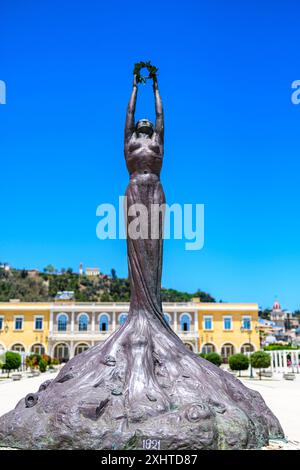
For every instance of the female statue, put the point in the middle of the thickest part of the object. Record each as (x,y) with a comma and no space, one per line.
(144,146)
(141,386)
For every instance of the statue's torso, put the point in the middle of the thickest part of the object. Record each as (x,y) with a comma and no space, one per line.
(144,154)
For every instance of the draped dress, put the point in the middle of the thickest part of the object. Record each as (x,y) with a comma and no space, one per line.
(144,162)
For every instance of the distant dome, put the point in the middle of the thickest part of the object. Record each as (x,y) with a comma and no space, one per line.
(276,305)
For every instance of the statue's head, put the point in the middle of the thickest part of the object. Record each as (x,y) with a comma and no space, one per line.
(144,126)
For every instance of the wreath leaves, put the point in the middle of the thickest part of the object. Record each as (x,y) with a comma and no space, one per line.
(138,66)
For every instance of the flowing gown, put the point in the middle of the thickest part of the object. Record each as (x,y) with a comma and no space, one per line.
(144,162)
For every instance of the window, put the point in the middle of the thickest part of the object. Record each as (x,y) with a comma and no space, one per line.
(19,323)
(122,318)
(38,323)
(247,348)
(83,323)
(185,323)
(61,352)
(208,348)
(227,350)
(103,323)
(18,348)
(38,349)
(1,323)
(227,323)
(80,348)
(62,323)
(208,323)
(246,323)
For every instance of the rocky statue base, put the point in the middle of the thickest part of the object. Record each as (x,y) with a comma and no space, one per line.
(140,389)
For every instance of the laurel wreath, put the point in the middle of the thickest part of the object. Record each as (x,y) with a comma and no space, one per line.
(144,65)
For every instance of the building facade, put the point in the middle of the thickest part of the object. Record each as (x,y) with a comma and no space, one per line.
(24,327)
(228,328)
(64,329)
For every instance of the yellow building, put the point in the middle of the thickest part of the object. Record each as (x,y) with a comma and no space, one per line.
(66,328)
(228,328)
(24,327)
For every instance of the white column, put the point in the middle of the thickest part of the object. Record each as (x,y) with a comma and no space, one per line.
(71,349)
(93,321)
(196,330)
(279,360)
(285,368)
(113,321)
(294,361)
(51,323)
(276,360)
(72,322)
(271,363)
(175,322)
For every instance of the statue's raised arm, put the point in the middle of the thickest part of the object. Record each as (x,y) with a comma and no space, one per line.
(130,123)
(159,124)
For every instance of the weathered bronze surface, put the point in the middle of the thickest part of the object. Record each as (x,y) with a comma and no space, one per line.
(142,385)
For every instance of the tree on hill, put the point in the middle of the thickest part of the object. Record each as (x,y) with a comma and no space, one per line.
(49,269)
(15,284)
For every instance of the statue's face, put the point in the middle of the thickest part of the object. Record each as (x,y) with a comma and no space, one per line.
(144,126)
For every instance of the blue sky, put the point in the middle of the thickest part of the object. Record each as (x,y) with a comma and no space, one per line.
(231,143)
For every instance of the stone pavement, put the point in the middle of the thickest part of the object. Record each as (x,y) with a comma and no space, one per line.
(11,392)
(283,398)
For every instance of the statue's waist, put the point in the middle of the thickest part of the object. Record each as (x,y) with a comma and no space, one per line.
(144,176)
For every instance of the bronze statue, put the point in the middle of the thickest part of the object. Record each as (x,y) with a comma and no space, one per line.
(142,388)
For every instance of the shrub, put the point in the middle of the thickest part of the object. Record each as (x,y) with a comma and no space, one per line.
(42,365)
(32,360)
(260,360)
(47,359)
(12,361)
(239,362)
(278,346)
(215,358)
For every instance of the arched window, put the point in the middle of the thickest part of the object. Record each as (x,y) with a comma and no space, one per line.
(61,352)
(80,348)
(246,348)
(227,350)
(208,348)
(18,347)
(185,323)
(103,322)
(189,346)
(167,317)
(62,322)
(122,318)
(83,322)
(38,348)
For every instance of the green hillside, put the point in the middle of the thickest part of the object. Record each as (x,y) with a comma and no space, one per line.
(31,286)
